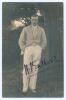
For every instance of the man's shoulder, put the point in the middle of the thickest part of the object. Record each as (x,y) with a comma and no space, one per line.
(29,27)
(26,27)
(40,28)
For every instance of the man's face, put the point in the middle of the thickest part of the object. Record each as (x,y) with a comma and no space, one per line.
(34,20)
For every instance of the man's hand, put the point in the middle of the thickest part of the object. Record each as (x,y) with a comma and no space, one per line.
(22,53)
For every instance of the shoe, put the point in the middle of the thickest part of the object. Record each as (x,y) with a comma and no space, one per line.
(24,91)
(34,91)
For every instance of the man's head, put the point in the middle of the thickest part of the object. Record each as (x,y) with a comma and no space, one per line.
(34,20)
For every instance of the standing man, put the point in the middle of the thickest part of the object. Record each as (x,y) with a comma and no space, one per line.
(32,40)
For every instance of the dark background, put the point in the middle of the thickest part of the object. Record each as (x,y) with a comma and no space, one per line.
(50,78)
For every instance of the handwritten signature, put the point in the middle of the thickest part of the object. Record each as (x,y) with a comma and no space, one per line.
(43,62)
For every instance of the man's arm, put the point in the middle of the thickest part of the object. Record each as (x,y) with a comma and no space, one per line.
(21,41)
(44,39)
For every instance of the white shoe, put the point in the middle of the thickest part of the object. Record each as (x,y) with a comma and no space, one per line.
(24,91)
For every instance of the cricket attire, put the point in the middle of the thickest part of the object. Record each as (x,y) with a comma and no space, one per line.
(32,40)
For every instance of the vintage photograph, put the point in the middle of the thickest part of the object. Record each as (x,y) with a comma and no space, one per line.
(32,49)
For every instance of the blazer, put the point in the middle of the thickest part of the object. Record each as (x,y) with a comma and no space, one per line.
(29,36)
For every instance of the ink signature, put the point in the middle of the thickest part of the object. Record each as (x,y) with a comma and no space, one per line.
(43,62)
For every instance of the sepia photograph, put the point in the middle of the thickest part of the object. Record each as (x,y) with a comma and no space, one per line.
(32,50)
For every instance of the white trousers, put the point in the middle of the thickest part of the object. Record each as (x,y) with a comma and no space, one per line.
(32,57)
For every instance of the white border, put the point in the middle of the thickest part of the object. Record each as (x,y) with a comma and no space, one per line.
(32,0)
(1,49)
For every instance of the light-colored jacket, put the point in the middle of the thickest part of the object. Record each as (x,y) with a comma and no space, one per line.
(28,36)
